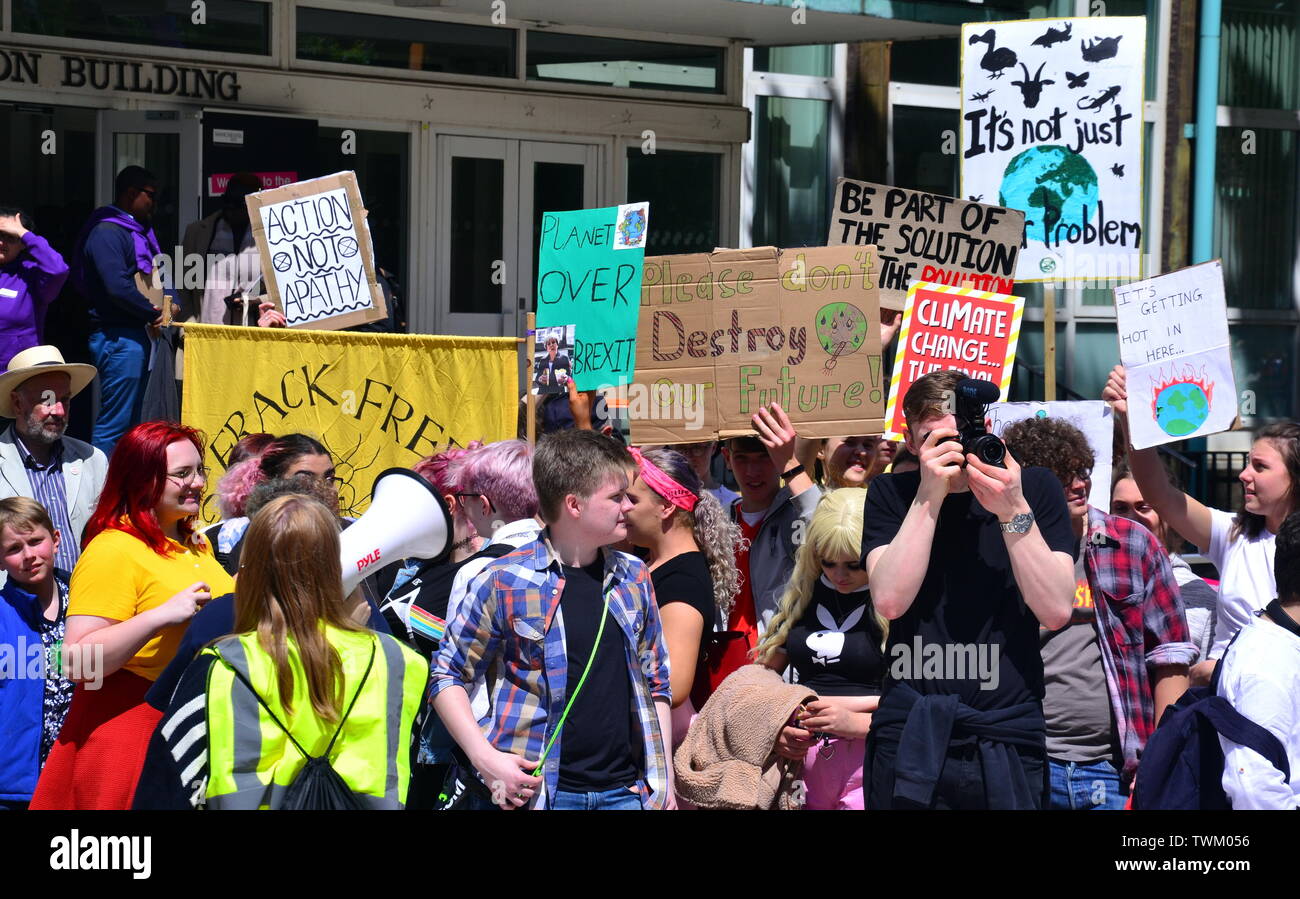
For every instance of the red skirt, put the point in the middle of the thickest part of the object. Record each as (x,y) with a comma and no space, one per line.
(97,759)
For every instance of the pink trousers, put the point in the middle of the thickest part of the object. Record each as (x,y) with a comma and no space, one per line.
(832,775)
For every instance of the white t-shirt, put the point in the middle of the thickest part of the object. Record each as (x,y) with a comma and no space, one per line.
(1246,582)
(1261,678)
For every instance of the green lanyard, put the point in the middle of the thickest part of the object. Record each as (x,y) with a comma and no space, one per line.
(574,695)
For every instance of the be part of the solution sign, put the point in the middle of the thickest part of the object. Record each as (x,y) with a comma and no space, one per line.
(1173,341)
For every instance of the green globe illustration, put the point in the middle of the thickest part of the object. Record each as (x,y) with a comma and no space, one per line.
(1181,409)
(1053,186)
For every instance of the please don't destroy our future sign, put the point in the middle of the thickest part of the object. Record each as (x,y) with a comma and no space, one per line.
(316,253)
(972,331)
(723,333)
(589,276)
(1173,341)
(928,237)
(1052,125)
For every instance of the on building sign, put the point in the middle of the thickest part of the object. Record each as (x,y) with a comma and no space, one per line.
(23,66)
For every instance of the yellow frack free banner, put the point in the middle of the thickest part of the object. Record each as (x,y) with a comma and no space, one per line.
(375,400)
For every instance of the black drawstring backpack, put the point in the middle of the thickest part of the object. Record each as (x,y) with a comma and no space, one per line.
(318,787)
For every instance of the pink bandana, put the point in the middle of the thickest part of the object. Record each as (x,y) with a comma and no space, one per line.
(663,484)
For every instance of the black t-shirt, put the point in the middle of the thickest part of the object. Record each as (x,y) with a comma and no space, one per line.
(596,741)
(686,578)
(968,617)
(835,646)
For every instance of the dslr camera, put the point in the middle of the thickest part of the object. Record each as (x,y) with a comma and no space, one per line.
(972,400)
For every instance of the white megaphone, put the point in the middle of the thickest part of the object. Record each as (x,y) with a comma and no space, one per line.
(406,519)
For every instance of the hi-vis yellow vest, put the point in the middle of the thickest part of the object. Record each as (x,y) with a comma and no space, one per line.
(250,760)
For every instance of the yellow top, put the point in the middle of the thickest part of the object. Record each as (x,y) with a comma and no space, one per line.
(118,576)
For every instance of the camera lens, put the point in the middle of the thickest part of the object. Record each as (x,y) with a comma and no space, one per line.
(990,450)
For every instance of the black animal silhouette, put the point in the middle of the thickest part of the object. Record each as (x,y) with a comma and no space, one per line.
(1117,170)
(1077,80)
(976,198)
(997,58)
(1101,99)
(1032,88)
(1100,48)
(1054,36)
(981,97)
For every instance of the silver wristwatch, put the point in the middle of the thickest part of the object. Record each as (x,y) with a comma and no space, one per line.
(1019,524)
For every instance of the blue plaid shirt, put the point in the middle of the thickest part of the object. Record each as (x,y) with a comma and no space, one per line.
(513,618)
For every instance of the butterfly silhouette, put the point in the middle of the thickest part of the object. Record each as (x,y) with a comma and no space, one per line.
(1118,170)
(1077,80)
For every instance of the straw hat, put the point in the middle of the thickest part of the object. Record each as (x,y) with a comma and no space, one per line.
(35,361)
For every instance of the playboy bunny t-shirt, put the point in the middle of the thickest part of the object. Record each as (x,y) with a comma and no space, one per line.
(835,645)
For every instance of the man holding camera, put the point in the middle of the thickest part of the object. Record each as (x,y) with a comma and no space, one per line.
(967,557)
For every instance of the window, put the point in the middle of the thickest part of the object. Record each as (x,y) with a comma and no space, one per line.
(419,45)
(792,185)
(614,62)
(1255,227)
(685,194)
(228,26)
(817,60)
(1259,59)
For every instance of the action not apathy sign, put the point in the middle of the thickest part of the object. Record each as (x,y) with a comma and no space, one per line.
(1173,341)
(316,253)
(1052,125)
(928,237)
(972,331)
(725,333)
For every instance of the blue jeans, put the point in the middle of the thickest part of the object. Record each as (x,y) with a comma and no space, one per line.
(122,356)
(1078,787)
(619,800)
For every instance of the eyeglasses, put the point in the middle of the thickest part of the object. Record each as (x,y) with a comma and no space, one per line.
(188,476)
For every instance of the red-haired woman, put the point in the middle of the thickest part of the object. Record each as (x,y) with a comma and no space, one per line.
(140,579)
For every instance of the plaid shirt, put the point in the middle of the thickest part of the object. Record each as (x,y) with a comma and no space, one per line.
(512,617)
(1140,619)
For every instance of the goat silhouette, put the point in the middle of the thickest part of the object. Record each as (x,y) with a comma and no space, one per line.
(1032,88)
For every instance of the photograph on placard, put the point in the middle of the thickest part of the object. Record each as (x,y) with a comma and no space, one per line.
(552,368)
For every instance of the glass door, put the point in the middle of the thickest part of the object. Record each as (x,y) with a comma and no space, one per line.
(492,193)
(167,143)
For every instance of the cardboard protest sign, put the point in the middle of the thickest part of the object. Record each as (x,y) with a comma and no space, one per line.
(1173,340)
(316,255)
(1093,417)
(928,237)
(722,334)
(375,400)
(972,331)
(589,276)
(1052,125)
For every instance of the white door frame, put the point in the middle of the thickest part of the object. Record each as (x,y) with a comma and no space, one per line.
(186,123)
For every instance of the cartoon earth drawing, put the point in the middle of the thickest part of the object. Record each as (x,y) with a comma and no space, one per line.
(1181,408)
(1053,186)
(841,330)
(632,227)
